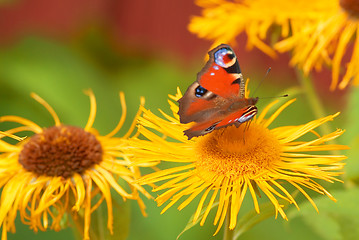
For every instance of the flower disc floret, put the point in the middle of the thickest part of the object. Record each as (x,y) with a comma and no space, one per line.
(61,151)
(238,151)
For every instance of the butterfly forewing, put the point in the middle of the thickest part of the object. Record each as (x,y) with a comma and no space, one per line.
(222,74)
(217,98)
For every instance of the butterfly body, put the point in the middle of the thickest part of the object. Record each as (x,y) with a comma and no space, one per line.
(217,98)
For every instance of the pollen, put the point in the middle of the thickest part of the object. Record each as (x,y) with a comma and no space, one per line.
(350,6)
(61,151)
(238,151)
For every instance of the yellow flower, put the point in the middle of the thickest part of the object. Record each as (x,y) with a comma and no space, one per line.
(316,31)
(229,162)
(222,21)
(60,169)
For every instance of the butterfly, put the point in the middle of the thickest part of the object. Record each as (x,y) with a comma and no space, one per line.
(217,98)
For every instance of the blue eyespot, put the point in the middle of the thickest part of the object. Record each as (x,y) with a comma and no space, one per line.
(219,55)
(200,91)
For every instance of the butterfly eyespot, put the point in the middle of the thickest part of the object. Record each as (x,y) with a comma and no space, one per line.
(224,57)
(200,91)
(217,98)
(231,56)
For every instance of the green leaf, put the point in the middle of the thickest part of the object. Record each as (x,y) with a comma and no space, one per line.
(121,222)
(98,225)
(338,220)
(191,224)
(246,222)
(252,218)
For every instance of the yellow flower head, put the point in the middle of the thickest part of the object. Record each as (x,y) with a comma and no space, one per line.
(61,169)
(316,31)
(227,163)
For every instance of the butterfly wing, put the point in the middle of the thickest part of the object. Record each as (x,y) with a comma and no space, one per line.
(221,120)
(220,79)
(216,99)
(222,75)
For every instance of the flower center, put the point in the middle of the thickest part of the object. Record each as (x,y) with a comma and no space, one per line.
(350,6)
(61,151)
(234,152)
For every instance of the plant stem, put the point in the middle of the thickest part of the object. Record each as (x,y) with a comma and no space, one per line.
(314,101)
(316,105)
(228,233)
(78,229)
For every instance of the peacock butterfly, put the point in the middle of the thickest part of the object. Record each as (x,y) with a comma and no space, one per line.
(217,98)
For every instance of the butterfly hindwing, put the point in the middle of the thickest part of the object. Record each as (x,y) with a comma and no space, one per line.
(216,99)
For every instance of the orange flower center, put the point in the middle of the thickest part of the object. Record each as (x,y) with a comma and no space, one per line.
(238,151)
(61,151)
(350,6)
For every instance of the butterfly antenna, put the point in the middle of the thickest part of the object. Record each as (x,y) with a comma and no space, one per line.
(285,95)
(260,83)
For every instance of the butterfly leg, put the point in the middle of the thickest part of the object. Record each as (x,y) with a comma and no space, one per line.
(246,127)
